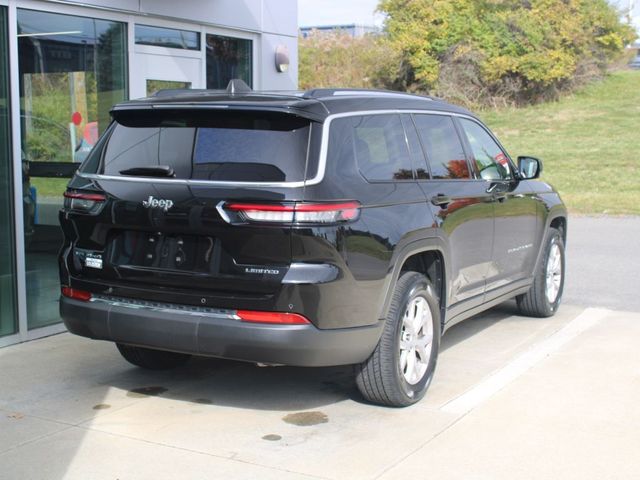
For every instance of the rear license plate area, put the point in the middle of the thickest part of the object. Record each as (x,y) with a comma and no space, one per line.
(182,253)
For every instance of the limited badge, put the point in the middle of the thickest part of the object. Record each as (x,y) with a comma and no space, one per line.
(93,261)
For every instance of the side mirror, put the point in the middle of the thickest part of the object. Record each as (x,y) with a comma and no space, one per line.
(529,167)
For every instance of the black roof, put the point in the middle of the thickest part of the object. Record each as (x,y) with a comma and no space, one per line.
(315,104)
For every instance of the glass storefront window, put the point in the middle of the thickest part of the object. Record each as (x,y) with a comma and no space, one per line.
(167,37)
(72,70)
(7,272)
(228,58)
(154,86)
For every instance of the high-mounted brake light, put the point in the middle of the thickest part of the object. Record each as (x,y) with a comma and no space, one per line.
(76,294)
(298,212)
(84,202)
(279,318)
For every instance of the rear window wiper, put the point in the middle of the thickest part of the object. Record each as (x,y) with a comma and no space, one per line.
(152,171)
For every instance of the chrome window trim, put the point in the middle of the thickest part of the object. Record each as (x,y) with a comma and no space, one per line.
(322,162)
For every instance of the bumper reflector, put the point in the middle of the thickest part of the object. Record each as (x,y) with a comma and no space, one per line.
(278,318)
(76,294)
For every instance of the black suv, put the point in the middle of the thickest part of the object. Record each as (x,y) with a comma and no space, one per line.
(326,227)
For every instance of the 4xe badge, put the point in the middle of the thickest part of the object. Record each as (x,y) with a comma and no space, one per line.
(157,203)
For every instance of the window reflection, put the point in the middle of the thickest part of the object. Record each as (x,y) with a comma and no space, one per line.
(7,275)
(458,169)
(380,148)
(228,58)
(71,71)
(443,147)
(490,160)
(167,37)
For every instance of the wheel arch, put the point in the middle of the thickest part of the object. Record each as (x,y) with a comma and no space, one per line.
(557,221)
(427,257)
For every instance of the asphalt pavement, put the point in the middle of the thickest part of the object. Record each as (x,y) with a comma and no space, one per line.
(603,262)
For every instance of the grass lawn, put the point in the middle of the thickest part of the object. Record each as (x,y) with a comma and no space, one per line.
(588,142)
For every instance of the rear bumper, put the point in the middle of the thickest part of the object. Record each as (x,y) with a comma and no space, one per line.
(216,333)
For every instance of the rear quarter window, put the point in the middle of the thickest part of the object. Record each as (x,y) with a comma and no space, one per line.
(378,144)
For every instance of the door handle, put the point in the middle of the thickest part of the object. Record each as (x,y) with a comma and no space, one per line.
(441,200)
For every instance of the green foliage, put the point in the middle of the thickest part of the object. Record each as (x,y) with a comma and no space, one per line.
(588,142)
(475,51)
(338,60)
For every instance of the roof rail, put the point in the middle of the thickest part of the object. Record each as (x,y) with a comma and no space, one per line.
(343,92)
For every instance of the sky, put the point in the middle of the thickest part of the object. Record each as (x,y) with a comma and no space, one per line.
(336,12)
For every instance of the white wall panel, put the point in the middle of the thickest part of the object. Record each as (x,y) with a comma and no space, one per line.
(271,79)
(280,16)
(131,5)
(244,14)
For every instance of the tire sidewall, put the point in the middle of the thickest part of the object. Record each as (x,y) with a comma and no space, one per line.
(419,287)
(554,238)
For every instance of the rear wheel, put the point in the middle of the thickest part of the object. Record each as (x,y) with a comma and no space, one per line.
(543,299)
(152,359)
(401,367)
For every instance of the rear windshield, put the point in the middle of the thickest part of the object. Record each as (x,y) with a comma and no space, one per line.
(206,145)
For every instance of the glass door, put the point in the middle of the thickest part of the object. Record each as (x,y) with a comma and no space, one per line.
(8,324)
(72,70)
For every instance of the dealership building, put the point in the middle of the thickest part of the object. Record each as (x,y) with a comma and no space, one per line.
(63,64)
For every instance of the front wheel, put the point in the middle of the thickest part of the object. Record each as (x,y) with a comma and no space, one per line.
(400,369)
(543,299)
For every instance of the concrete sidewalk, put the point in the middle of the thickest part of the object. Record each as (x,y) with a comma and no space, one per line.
(513,397)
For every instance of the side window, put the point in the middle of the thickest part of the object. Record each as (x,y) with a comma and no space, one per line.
(380,148)
(489,158)
(443,147)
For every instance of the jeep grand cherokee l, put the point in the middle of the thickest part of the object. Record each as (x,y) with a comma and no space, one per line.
(316,228)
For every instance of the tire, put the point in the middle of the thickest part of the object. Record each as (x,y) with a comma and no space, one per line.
(386,377)
(152,359)
(543,299)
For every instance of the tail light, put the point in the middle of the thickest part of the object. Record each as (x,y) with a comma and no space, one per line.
(84,202)
(277,318)
(76,294)
(298,213)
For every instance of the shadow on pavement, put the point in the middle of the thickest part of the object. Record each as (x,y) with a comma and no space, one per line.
(211,381)
(245,385)
(474,325)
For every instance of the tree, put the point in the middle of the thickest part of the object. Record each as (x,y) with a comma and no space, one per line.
(338,60)
(515,50)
